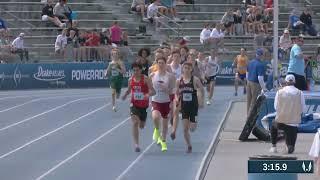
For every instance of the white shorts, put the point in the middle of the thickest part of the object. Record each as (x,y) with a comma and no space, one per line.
(45,18)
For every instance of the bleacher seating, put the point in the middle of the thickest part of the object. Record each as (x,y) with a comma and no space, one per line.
(24,15)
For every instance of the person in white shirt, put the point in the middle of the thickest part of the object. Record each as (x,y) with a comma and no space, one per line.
(217,37)
(205,35)
(18,47)
(61,43)
(285,43)
(211,72)
(139,6)
(153,12)
(289,104)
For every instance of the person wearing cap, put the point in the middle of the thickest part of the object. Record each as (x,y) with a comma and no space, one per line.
(285,43)
(18,47)
(297,65)
(255,79)
(289,104)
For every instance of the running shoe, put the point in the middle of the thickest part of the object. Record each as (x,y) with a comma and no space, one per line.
(189,149)
(208,102)
(114,109)
(156,134)
(173,136)
(163,146)
(159,141)
(137,149)
(273,150)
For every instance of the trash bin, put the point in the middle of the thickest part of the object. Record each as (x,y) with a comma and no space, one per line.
(266,162)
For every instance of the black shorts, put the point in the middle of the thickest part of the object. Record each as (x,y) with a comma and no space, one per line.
(190,113)
(301,82)
(211,78)
(140,112)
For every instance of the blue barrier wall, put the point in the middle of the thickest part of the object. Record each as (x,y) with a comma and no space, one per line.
(77,75)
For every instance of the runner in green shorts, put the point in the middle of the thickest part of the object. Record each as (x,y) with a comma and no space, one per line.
(115,71)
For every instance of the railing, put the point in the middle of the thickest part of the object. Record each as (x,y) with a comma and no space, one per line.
(177,29)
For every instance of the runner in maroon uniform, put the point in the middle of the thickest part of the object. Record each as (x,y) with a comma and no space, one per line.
(141,89)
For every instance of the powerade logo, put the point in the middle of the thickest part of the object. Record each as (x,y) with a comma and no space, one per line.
(49,74)
(88,75)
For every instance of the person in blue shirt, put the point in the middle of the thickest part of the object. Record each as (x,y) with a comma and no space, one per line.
(255,76)
(2,24)
(296,64)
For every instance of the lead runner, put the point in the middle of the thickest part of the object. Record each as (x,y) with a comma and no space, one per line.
(141,89)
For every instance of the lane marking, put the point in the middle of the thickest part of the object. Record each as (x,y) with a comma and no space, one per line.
(13,97)
(46,112)
(82,149)
(36,100)
(54,131)
(134,162)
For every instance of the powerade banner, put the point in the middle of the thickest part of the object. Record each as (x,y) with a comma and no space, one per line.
(79,75)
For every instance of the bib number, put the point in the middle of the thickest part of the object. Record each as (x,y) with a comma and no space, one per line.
(187,97)
(138,96)
(114,73)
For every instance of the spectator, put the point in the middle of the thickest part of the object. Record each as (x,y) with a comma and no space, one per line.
(2,24)
(82,43)
(285,43)
(296,64)
(205,36)
(5,46)
(73,40)
(62,11)
(255,79)
(184,51)
(47,15)
(125,38)
(307,21)
(19,48)
(250,20)
(105,43)
(294,23)
(139,6)
(289,104)
(241,64)
(61,44)
(93,43)
(238,23)
(153,12)
(74,27)
(184,41)
(115,33)
(143,59)
(267,20)
(317,56)
(171,6)
(217,37)
(228,22)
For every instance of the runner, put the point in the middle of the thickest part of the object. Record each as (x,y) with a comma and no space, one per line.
(241,63)
(163,83)
(186,94)
(141,89)
(211,72)
(115,71)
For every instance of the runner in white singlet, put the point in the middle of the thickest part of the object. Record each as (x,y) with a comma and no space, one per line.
(212,68)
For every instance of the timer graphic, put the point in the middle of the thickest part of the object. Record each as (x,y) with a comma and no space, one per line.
(281,166)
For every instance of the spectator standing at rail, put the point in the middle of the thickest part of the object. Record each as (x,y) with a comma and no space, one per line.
(73,40)
(297,65)
(19,48)
(289,104)
(48,15)
(255,77)
(61,44)
(140,7)
(62,11)
(115,33)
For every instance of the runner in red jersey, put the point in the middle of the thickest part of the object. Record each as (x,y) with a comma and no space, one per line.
(140,88)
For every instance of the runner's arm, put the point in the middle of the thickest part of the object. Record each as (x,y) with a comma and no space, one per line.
(108,70)
(124,97)
(177,91)
(123,68)
(200,88)
(172,83)
(152,92)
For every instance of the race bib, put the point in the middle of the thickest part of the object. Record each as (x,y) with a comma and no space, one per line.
(187,97)
(138,96)
(114,73)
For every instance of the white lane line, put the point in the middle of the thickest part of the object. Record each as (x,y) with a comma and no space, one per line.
(82,149)
(13,97)
(36,100)
(46,112)
(54,131)
(134,162)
